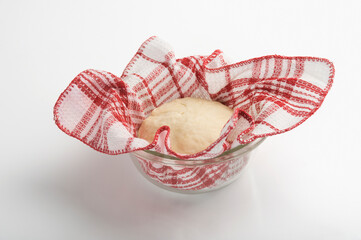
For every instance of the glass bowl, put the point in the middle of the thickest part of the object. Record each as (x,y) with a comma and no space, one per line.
(193,176)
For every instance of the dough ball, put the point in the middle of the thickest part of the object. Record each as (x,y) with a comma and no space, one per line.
(194,123)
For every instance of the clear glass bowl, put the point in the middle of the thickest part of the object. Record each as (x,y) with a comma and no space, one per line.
(193,176)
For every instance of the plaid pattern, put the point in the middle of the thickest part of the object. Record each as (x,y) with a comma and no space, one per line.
(269,95)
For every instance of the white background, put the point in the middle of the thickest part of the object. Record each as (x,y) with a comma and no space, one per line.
(304,184)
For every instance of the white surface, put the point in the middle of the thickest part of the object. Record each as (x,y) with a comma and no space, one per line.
(304,184)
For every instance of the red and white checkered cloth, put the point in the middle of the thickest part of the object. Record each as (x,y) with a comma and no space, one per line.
(269,95)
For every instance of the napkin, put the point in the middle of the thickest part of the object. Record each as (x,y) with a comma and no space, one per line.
(270,95)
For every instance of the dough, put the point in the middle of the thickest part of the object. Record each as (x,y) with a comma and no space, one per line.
(194,123)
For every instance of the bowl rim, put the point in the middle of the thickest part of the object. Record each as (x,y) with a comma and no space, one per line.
(225,156)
